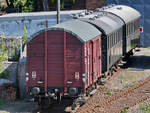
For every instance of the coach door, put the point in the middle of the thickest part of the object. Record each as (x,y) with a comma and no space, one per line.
(96,59)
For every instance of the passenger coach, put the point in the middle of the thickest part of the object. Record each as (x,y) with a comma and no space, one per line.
(131,32)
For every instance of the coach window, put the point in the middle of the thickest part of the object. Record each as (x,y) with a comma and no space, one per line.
(108,42)
(127,29)
(131,27)
(135,25)
(116,37)
(138,23)
(119,36)
(113,39)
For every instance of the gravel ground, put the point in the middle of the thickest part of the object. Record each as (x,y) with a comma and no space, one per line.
(137,68)
(139,107)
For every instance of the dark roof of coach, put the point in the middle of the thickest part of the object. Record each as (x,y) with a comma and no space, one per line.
(107,23)
(126,13)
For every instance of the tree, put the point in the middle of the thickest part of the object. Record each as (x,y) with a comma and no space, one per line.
(45,5)
(10,3)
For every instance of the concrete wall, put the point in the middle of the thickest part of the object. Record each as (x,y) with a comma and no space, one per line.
(22,79)
(13,24)
(12,67)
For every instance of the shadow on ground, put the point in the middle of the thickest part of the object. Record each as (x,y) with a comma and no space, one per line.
(140,63)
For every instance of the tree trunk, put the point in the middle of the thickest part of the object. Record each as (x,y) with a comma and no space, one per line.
(7,3)
(10,4)
(45,5)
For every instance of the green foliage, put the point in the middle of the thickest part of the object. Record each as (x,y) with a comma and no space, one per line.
(73,1)
(4,74)
(15,57)
(142,107)
(24,41)
(124,110)
(126,85)
(3,49)
(145,108)
(63,2)
(27,5)
(133,84)
(52,1)
(148,47)
(19,2)
(108,92)
(2,102)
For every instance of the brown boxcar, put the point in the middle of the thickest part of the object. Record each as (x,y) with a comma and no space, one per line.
(64,59)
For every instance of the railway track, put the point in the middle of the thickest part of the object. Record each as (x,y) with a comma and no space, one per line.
(122,100)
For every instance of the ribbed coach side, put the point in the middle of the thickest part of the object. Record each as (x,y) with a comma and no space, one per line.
(131,19)
(112,28)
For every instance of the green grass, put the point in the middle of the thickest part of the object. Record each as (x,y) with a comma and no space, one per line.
(108,92)
(145,108)
(148,47)
(2,102)
(126,85)
(124,110)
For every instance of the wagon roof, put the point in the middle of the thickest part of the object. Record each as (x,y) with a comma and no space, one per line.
(124,12)
(107,23)
(82,30)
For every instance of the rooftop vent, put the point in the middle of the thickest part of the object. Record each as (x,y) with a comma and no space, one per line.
(119,8)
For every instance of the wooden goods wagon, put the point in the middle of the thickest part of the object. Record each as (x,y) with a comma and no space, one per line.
(64,59)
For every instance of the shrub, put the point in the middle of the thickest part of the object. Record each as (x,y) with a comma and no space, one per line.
(108,92)
(4,74)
